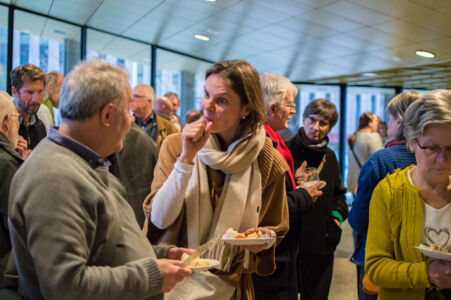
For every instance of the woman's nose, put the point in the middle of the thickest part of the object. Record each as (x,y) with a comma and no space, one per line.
(208,104)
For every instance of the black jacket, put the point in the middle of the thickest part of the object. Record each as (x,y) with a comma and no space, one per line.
(34,132)
(10,161)
(282,284)
(320,234)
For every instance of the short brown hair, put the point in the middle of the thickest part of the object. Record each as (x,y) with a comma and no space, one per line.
(28,72)
(243,79)
(324,108)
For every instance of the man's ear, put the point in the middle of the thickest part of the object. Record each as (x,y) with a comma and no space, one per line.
(6,122)
(14,92)
(106,113)
(272,109)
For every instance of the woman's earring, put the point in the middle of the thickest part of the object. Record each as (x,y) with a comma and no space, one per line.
(243,117)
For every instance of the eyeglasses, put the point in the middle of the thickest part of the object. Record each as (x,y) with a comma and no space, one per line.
(434,150)
(139,97)
(293,106)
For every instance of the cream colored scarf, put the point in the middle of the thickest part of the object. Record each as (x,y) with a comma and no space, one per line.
(238,207)
(240,201)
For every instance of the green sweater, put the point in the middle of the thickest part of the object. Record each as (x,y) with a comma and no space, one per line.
(395,228)
(73,233)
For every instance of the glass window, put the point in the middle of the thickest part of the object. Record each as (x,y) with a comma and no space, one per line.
(133,56)
(182,75)
(360,100)
(310,92)
(3,46)
(51,45)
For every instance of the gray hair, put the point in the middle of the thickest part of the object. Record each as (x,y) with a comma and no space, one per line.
(433,108)
(90,86)
(275,87)
(398,106)
(51,78)
(6,105)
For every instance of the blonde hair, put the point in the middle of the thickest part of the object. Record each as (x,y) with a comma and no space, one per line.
(433,108)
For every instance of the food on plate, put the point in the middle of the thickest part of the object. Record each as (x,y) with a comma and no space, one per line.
(195,263)
(434,247)
(253,233)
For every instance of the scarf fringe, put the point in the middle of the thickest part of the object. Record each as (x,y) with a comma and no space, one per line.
(226,253)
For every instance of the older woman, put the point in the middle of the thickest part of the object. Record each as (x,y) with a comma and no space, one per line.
(364,142)
(222,172)
(412,207)
(320,227)
(279,93)
(383,162)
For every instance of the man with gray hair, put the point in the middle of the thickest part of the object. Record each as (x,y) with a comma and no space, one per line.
(10,161)
(75,236)
(154,125)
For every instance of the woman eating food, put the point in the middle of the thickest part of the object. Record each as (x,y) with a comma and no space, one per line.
(221,172)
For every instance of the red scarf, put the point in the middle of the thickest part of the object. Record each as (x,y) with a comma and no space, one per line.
(395,143)
(283,150)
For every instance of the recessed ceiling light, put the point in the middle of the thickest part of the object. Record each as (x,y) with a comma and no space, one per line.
(424,53)
(369,74)
(57,31)
(210,0)
(202,37)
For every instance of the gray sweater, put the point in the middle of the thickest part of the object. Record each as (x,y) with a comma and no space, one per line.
(73,233)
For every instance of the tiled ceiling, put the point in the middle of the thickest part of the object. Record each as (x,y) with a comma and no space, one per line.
(323,41)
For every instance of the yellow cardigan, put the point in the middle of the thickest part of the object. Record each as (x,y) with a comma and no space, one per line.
(395,227)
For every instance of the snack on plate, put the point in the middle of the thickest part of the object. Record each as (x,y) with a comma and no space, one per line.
(253,233)
(195,263)
(434,247)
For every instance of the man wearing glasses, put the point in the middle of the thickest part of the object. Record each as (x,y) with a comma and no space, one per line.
(155,126)
(28,90)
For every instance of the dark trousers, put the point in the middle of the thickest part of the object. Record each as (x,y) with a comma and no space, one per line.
(315,276)
(282,284)
(361,293)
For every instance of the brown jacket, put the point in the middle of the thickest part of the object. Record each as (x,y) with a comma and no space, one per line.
(164,128)
(273,214)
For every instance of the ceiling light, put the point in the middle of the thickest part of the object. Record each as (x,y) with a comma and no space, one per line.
(369,74)
(57,31)
(210,0)
(424,53)
(202,37)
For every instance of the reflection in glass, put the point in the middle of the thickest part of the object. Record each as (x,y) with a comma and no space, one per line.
(182,75)
(51,45)
(131,55)
(3,46)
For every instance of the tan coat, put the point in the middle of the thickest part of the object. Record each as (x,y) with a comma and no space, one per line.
(273,214)
(164,128)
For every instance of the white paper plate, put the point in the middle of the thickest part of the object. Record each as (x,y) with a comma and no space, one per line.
(213,264)
(434,254)
(241,242)
(310,183)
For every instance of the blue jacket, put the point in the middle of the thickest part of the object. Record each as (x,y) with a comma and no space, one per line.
(381,163)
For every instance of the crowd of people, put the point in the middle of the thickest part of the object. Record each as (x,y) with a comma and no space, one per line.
(103,190)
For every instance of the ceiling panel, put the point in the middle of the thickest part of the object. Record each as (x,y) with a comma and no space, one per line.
(392,8)
(356,13)
(325,19)
(305,27)
(379,37)
(305,39)
(77,11)
(42,7)
(408,31)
